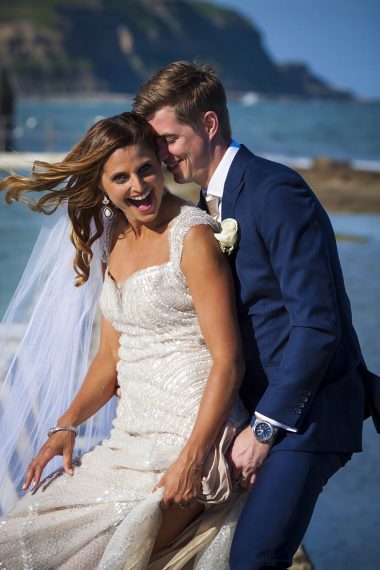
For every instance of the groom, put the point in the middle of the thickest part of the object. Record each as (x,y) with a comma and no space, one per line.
(306,384)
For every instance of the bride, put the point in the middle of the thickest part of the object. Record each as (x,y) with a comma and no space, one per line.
(155,493)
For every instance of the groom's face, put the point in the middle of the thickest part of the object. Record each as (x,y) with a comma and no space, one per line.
(184,151)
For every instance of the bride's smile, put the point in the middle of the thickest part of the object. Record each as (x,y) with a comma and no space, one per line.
(133,180)
(141,201)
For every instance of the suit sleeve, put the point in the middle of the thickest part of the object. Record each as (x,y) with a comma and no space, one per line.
(290,221)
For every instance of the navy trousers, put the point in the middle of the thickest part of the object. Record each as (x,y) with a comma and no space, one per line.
(279,508)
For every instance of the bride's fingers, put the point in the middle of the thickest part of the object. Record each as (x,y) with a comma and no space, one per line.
(161,483)
(33,474)
(37,466)
(166,502)
(28,478)
(37,475)
(68,462)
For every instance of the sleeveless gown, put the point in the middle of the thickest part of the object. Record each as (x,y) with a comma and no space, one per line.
(106,516)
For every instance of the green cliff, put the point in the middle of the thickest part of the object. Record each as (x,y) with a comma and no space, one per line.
(82,46)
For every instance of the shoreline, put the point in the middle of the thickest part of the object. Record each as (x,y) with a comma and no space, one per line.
(340,186)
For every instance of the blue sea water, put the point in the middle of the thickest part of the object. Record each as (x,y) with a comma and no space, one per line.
(295,129)
(344,531)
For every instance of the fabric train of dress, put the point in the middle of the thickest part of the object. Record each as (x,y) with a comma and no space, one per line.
(106,515)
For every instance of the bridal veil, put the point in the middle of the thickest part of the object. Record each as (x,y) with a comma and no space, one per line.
(47,337)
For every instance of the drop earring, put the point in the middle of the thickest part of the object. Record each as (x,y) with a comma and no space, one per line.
(107,210)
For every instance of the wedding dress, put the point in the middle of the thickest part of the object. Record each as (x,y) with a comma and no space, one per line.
(106,515)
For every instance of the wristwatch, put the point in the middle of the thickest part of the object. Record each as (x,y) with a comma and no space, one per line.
(263,431)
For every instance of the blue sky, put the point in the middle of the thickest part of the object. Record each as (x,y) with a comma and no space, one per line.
(338,39)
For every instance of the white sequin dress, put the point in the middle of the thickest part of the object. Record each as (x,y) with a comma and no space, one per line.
(106,515)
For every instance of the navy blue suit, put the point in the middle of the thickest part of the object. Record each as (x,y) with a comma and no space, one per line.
(304,366)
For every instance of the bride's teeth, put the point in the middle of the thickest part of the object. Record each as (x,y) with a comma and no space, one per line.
(141,197)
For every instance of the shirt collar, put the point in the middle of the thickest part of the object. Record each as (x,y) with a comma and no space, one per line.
(218,179)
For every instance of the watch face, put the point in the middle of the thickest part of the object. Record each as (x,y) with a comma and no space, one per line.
(263,431)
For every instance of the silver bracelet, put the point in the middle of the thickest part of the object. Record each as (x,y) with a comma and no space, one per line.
(54,430)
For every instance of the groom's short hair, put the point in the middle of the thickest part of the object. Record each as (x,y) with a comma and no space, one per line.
(190,89)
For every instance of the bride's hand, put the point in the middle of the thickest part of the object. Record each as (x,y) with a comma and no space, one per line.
(182,484)
(60,443)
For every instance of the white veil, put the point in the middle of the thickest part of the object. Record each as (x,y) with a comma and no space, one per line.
(47,337)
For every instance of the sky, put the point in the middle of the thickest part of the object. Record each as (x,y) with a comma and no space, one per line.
(338,39)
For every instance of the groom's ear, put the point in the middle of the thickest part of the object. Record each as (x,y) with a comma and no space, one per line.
(211,123)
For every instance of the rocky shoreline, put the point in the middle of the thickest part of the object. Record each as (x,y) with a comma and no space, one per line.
(339,186)
(342,188)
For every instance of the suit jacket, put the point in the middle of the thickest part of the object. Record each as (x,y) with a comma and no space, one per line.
(304,365)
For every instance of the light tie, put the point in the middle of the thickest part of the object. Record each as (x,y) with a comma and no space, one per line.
(212,203)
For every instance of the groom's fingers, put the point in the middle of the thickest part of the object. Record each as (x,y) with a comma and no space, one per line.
(245,480)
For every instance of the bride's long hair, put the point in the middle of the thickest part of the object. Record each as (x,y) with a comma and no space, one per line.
(79,173)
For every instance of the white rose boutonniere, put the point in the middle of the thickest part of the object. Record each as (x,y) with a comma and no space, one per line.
(228,237)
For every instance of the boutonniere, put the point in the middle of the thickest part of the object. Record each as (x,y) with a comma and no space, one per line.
(228,237)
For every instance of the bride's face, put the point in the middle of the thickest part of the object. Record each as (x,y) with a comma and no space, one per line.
(133,179)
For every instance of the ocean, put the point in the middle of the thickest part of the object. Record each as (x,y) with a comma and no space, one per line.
(343,534)
(287,130)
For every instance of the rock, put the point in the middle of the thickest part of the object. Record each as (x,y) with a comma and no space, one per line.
(94,45)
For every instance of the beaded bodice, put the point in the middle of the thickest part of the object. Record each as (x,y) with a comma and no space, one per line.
(164,362)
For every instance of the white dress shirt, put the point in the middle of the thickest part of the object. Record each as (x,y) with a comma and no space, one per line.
(214,191)
(215,187)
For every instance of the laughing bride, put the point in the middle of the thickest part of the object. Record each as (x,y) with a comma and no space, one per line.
(157,491)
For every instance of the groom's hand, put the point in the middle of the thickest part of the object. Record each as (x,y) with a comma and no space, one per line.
(247,456)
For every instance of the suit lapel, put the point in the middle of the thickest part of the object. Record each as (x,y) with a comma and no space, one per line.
(234,182)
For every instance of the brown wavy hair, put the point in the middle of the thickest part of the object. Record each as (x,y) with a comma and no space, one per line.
(75,180)
(191,89)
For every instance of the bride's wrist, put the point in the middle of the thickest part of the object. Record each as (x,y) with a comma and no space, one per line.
(194,459)
(67,420)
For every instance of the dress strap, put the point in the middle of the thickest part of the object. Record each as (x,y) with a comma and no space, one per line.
(188,217)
